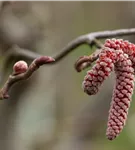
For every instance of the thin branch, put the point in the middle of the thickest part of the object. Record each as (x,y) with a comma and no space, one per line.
(14,78)
(89,39)
(85,61)
(82,62)
(16,51)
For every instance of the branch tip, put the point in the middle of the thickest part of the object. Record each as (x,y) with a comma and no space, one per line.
(43,60)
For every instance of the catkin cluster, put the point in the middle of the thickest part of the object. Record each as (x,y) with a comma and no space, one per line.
(119,56)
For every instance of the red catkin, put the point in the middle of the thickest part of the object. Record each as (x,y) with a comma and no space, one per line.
(121,99)
(123,89)
(116,55)
(127,47)
(99,72)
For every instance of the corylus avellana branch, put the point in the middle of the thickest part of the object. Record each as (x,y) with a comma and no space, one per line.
(86,61)
(89,39)
(22,72)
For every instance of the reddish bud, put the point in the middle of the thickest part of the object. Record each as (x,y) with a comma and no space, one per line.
(20,67)
(43,60)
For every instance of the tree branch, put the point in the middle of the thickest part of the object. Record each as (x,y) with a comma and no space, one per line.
(83,62)
(86,61)
(89,39)
(14,78)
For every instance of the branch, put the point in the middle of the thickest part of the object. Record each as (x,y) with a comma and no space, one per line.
(83,62)
(16,77)
(86,61)
(89,39)
(16,51)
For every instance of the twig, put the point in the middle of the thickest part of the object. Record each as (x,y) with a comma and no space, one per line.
(86,61)
(16,51)
(14,78)
(90,39)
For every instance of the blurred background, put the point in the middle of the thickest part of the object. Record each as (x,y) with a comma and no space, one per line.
(50,111)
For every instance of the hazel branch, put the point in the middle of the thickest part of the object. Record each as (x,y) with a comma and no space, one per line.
(21,72)
(39,60)
(89,39)
(85,61)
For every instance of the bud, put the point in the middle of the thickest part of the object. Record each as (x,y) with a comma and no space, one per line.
(20,67)
(43,60)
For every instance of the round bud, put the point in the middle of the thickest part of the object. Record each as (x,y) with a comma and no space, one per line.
(20,67)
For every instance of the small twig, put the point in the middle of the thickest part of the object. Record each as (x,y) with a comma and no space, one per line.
(82,62)
(14,78)
(90,39)
(97,43)
(86,61)
(16,51)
